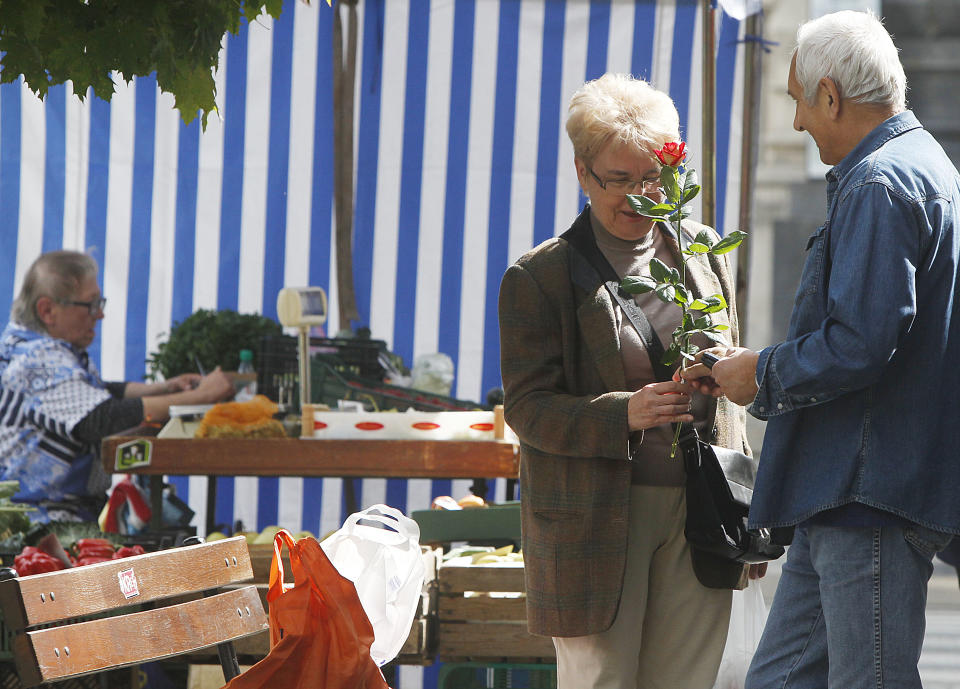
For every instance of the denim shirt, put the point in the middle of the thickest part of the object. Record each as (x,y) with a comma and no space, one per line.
(863,397)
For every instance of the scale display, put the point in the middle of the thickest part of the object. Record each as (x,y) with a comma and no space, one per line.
(302,307)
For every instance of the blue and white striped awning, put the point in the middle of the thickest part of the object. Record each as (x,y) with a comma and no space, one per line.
(462,164)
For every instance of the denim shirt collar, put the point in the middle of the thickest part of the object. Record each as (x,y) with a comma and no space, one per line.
(888,129)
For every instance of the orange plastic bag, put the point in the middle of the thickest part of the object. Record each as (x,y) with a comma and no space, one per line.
(319,633)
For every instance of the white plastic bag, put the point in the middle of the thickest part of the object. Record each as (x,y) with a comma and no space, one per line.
(382,559)
(748,615)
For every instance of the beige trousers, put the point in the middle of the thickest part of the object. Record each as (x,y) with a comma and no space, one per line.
(670,630)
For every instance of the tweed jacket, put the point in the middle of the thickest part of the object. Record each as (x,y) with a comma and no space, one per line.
(566,398)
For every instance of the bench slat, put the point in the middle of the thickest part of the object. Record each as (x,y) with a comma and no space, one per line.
(87,647)
(54,596)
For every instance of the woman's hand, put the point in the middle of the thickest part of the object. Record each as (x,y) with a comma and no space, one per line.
(659,403)
(185,381)
(215,387)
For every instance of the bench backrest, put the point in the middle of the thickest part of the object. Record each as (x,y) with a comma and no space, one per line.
(56,639)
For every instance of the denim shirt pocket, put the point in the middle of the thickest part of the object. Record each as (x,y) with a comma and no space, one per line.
(811,281)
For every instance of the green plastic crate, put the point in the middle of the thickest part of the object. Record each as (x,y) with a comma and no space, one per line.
(497,676)
(499,522)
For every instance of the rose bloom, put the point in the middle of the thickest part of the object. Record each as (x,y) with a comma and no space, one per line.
(672,153)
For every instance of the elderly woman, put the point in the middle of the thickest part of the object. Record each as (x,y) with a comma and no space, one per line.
(54,408)
(609,574)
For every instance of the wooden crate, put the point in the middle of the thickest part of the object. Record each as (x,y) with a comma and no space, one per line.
(481,611)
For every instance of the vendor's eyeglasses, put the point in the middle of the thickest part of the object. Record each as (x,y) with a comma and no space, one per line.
(627,186)
(94,307)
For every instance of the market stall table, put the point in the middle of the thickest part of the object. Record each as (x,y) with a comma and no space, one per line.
(139,451)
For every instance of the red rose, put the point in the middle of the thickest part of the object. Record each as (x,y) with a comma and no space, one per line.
(672,153)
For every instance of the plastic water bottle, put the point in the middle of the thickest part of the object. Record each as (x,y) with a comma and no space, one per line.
(249,389)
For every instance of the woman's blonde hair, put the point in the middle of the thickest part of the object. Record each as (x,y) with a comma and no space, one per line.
(618,107)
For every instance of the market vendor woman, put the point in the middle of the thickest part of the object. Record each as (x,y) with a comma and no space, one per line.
(54,408)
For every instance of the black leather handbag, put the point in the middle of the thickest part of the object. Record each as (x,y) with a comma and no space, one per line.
(719,489)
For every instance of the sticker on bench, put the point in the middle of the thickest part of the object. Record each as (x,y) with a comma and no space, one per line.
(133,454)
(128,583)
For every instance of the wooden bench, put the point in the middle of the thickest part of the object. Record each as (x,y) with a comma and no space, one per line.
(144,608)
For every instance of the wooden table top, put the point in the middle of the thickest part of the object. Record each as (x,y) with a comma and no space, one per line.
(139,451)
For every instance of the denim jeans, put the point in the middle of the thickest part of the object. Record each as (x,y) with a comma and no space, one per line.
(850,610)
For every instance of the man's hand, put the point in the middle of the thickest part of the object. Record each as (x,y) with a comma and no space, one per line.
(734,376)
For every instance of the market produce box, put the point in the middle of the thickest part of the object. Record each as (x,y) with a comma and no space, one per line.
(494,522)
(481,609)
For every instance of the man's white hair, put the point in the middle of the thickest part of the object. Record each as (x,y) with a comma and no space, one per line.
(856,52)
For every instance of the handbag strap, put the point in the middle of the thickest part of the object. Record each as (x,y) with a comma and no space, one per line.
(587,261)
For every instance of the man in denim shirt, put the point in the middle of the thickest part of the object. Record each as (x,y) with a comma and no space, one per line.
(860,454)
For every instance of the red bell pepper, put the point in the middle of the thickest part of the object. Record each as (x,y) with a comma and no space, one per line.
(32,561)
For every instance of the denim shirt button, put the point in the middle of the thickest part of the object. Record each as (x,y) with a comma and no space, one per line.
(813,399)
(779,405)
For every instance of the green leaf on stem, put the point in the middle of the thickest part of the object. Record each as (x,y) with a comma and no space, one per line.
(680,214)
(704,237)
(690,179)
(649,208)
(698,248)
(715,337)
(667,293)
(659,270)
(703,322)
(671,355)
(638,284)
(682,296)
(690,193)
(670,183)
(728,243)
(714,304)
(675,276)
(698,305)
(718,327)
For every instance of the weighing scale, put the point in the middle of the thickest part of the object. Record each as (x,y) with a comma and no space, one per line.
(302,308)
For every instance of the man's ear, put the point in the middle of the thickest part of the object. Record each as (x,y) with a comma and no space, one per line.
(44,309)
(830,95)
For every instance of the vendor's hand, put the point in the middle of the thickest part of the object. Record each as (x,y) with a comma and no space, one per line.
(659,403)
(215,387)
(185,381)
(758,571)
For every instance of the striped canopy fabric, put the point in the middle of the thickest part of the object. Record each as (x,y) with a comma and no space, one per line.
(462,165)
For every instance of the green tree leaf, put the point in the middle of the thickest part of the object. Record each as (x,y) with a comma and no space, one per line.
(682,296)
(638,284)
(698,248)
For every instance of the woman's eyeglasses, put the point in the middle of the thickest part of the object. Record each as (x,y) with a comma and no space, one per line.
(627,186)
(94,307)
